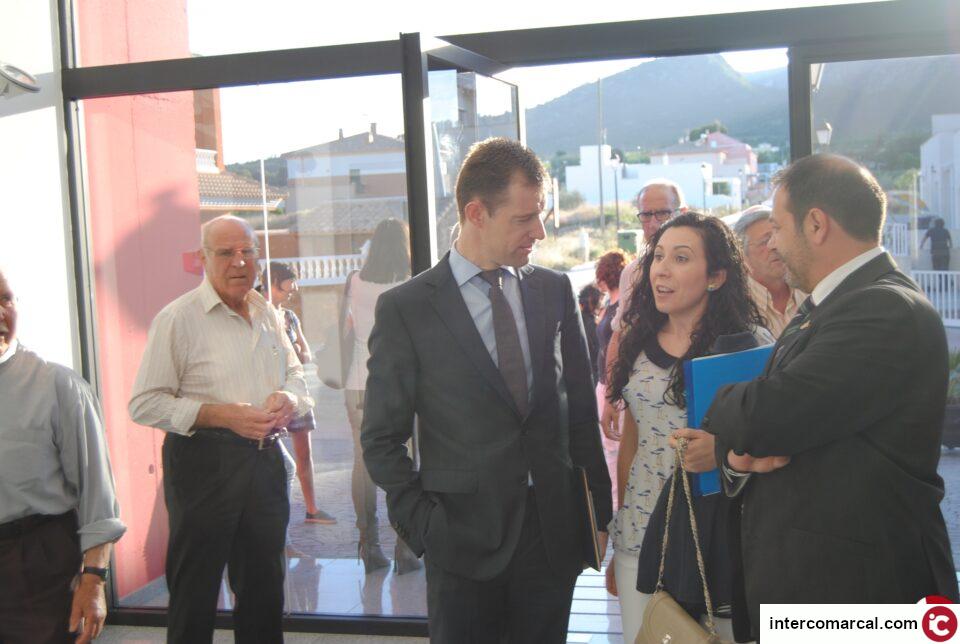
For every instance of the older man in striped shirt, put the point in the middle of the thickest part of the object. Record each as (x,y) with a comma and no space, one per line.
(220,376)
(778,301)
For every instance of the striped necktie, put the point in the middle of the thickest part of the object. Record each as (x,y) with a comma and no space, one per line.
(509,353)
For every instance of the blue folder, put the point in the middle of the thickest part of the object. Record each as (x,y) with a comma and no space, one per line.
(703,377)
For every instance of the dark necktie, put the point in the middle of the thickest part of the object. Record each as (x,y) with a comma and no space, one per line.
(802,313)
(509,353)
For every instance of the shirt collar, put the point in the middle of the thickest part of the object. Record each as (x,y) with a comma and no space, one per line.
(763,297)
(829,283)
(209,298)
(759,292)
(464,270)
(12,349)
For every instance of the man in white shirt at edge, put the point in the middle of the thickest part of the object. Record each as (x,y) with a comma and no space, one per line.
(59,516)
(657,202)
(221,378)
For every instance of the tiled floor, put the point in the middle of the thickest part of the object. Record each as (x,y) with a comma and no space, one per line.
(144,635)
(328,579)
(338,586)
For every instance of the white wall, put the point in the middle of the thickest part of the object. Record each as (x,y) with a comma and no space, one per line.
(35,238)
(939,163)
(340,165)
(584,178)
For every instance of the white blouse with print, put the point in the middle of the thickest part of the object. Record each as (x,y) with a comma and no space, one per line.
(653,462)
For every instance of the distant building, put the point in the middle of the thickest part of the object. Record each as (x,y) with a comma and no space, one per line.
(223,192)
(939,164)
(362,166)
(701,186)
(340,190)
(729,157)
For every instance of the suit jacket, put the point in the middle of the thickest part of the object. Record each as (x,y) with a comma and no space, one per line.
(856,398)
(465,505)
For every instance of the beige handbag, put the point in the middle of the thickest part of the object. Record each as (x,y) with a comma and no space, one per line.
(664,621)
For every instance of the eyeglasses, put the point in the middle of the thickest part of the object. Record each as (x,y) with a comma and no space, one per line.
(661,215)
(247,253)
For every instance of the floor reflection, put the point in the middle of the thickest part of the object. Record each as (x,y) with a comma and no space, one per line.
(340,587)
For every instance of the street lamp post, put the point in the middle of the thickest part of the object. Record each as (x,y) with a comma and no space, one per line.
(601,139)
(706,173)
(741,174)
(616,186)
(824,134)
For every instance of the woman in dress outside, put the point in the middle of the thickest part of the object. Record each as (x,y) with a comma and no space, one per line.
(694,290)
(387,265)
(283,285)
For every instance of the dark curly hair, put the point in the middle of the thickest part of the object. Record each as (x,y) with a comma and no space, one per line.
(730,309)
(609,267)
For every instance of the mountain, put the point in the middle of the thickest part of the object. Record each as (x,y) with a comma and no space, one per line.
(772,78)
(275,168)
(656,103)
(893,97)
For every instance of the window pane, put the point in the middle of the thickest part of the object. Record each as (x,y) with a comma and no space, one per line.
(111,32)
(900,117)
(649,120)
(158,166)
(465,108)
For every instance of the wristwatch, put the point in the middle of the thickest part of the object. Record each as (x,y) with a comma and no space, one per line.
(92,570)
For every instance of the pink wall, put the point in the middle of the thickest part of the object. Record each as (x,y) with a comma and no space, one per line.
(131,31)
(144,214)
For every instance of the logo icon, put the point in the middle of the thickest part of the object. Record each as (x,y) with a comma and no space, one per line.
(939,624)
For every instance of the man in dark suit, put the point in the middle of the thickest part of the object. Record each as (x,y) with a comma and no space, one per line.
(489,354)
(834,450)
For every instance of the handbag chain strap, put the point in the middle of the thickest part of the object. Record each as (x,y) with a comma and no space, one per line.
(678,468)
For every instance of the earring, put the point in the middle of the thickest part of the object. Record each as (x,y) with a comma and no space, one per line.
(711,287)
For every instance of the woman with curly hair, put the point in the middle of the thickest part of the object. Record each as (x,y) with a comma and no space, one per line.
(694,291)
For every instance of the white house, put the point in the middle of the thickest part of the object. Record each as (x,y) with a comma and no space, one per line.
(939,164)
(701,187)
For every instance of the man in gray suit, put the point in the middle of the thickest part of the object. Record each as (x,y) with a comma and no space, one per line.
(489,354)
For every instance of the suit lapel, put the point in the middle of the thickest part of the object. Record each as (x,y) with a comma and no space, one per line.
(453,312)
(785,347)
(866,274)
(531,292)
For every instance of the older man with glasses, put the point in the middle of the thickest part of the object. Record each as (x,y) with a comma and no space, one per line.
(657,202)
(220,376)
(767,274)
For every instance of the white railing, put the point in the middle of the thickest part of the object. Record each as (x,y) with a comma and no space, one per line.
(943,290)
(320,270)
(896,238)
